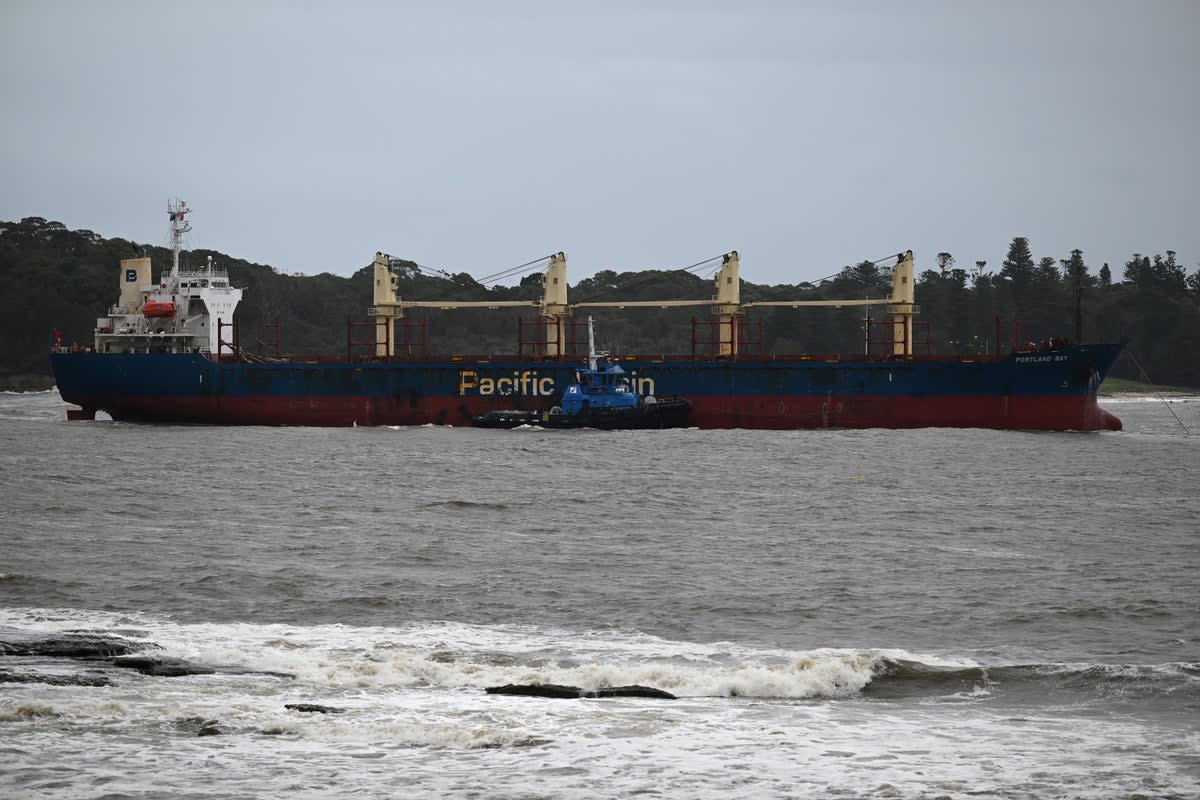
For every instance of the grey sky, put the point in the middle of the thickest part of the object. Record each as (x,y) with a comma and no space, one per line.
(475,136)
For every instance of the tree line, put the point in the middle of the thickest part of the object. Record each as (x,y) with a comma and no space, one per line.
(65,279)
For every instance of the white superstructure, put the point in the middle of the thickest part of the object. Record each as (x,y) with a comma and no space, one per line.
(179,314)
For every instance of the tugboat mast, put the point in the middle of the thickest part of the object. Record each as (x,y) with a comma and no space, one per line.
(178,211)
(593,356)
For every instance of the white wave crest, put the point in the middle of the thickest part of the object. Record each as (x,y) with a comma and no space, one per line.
(461,657)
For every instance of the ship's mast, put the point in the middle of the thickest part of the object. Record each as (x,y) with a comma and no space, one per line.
(178,211)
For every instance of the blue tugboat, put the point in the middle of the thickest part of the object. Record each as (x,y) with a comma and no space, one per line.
(599,398)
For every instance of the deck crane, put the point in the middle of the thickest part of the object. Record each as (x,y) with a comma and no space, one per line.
(727,306)
(388,306)
(901,306)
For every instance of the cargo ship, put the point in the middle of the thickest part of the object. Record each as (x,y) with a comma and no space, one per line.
(169,351)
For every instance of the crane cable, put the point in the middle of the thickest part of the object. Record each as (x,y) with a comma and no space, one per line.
(693,269)
(435,272)
(511,272)
(815,285)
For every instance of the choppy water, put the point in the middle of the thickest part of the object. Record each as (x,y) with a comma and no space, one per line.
(957,613)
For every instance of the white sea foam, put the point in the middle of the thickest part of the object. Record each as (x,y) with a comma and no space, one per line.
(460,657)
(411,705)
(456,745)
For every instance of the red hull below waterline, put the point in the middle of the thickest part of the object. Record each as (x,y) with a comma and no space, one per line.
(1056,412)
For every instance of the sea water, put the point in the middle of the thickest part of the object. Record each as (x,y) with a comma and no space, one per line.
(842,614)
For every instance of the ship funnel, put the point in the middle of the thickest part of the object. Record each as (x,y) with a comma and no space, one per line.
(135,282)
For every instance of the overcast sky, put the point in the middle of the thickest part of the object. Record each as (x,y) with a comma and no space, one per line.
(472,136)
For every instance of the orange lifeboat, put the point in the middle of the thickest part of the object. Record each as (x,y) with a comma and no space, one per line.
(158,308)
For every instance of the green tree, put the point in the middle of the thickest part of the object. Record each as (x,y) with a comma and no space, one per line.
(1047,272)
(1018,265)
(1138,271)
(1169,275)
(1074,268)
(1193,282)
(866,274)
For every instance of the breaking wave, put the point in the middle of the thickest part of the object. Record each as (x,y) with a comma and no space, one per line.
(338,659)
(899,677)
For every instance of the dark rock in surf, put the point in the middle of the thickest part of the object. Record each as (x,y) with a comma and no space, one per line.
(104,648)
(226,669)
(631,691)
(568,692)
(199,726)
(313,708)
(54,680)
(67,645)
(161,667)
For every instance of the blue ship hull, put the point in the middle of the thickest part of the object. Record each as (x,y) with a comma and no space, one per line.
(1025,390)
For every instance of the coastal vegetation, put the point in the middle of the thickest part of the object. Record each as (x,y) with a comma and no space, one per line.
(56,278)
(1123,386)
